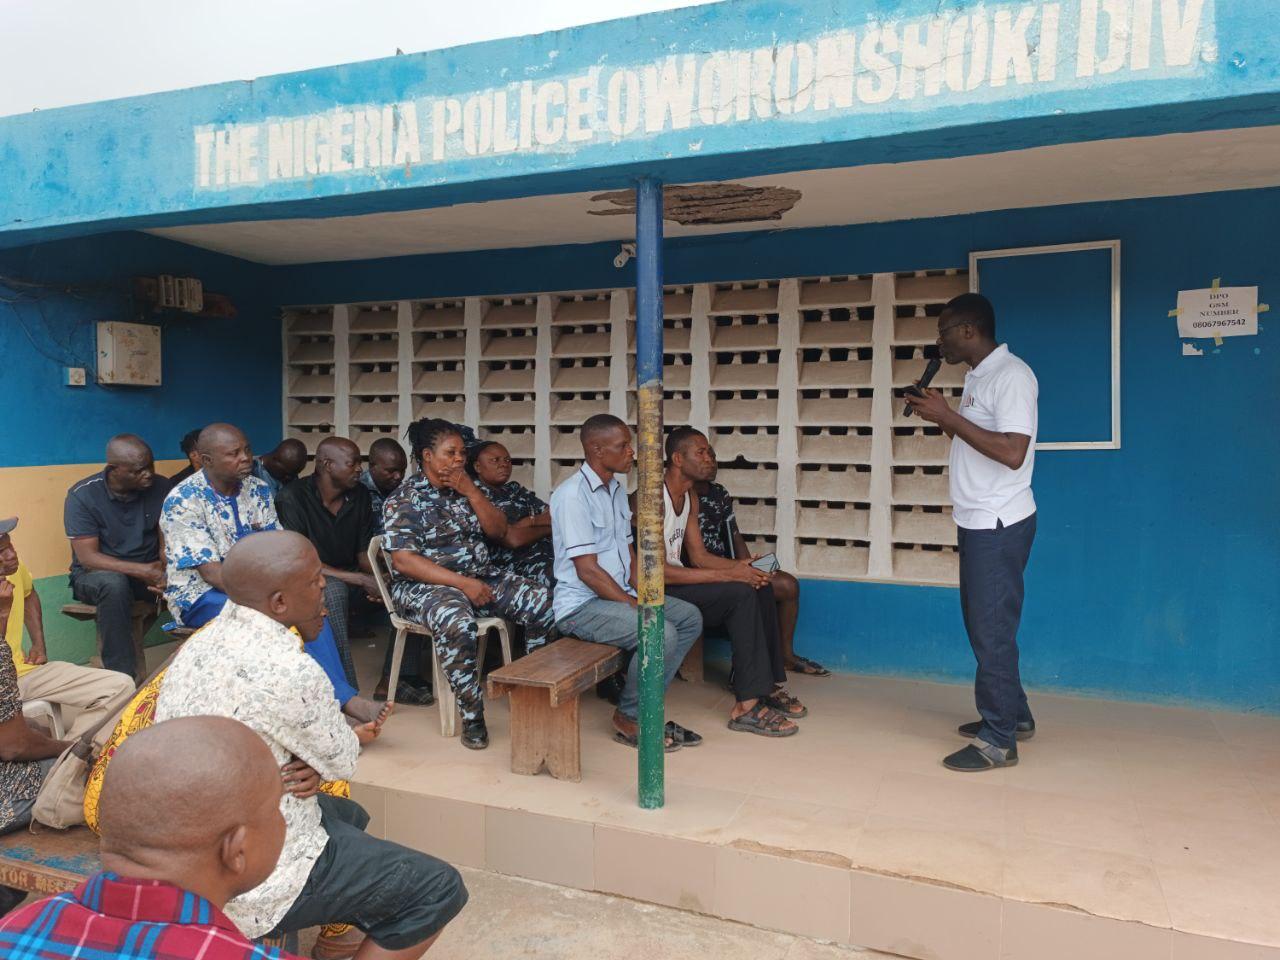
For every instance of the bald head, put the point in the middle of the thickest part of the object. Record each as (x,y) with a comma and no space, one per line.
(128,448)
(225,455)
(131,465)
(337,448)
(286,461)
(180,786)
(277,573)
(259,565)
(216,434)
(338,464)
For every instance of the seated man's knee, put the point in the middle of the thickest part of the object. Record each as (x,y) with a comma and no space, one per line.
(431,893)
(785,586)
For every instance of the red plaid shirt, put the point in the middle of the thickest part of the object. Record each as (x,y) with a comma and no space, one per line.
(109,918)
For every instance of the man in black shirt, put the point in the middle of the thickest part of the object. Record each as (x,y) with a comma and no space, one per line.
(189,451)
(112,519)
(333,510)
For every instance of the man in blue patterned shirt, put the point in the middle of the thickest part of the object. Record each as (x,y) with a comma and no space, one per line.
(204,517)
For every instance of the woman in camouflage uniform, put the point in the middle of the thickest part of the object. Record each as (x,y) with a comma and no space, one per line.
(436,528)
(526,547)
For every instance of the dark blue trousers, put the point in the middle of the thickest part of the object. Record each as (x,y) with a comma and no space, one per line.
(991,591)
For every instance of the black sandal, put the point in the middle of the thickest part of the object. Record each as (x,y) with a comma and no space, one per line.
(670,745)
(786,704)
(682,735)
(809,668)
(763,721)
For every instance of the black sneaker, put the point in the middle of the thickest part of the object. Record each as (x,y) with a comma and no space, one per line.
(475,735)
(1023,731)
(980,756)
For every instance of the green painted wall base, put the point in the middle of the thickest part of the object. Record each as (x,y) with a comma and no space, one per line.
(75,640)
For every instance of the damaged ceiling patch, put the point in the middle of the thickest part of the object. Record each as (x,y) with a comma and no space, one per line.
(707,203)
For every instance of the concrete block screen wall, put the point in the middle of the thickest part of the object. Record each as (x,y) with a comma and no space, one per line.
(797,381)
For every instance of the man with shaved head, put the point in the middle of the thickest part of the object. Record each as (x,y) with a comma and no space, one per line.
(281,466)
(112,519)
(333,510)
(190,818)
(248,664)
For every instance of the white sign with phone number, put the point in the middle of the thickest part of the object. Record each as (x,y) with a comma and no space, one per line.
(1218,312)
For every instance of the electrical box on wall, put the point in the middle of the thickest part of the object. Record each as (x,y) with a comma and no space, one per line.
(128,354)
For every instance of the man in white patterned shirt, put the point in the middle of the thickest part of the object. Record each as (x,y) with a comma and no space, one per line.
(246,664)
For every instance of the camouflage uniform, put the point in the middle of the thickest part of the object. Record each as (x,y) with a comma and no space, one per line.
(715,509)
(440,525)
(535,560)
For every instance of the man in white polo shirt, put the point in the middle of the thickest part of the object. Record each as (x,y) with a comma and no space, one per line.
(992,455)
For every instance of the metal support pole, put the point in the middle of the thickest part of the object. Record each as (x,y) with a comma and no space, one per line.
(649,549)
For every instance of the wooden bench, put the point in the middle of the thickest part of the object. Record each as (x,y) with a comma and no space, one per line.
(544,689)
(144,614)
(50,861)
(53,861)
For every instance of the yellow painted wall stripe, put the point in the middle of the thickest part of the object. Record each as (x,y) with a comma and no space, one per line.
(35,496)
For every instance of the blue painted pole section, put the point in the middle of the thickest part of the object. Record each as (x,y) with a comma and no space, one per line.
(649,548)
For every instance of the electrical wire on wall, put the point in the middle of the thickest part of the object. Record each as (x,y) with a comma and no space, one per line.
(17,294)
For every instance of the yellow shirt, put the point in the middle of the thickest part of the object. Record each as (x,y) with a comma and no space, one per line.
(22,587)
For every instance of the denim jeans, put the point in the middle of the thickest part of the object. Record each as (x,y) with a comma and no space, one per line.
(991,592)
(615,623)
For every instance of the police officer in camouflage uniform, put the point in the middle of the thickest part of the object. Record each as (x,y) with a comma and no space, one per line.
(526,547)
(436,525)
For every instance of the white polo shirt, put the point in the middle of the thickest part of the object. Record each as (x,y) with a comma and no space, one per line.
(1000,394)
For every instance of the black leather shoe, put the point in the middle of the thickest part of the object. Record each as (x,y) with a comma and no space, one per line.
(475,735)
(1023,731)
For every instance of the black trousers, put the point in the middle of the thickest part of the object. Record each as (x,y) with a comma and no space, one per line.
(750,618)
(398,896)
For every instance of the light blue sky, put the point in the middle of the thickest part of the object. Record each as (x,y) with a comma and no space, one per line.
(59,52)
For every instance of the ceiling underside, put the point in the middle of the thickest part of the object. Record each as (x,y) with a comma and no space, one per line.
(1045,176)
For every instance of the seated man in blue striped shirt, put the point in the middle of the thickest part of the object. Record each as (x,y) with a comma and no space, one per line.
(595,597)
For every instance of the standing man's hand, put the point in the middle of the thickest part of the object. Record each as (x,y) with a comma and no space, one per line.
(932,406)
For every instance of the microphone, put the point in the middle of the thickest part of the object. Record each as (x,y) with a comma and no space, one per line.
(930,371)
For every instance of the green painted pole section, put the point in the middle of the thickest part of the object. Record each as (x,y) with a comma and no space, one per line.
(649,549)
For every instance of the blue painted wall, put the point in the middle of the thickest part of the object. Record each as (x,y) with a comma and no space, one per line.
(1156,573)
(213,369)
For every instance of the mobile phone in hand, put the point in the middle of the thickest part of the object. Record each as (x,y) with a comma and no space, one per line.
(766,564)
